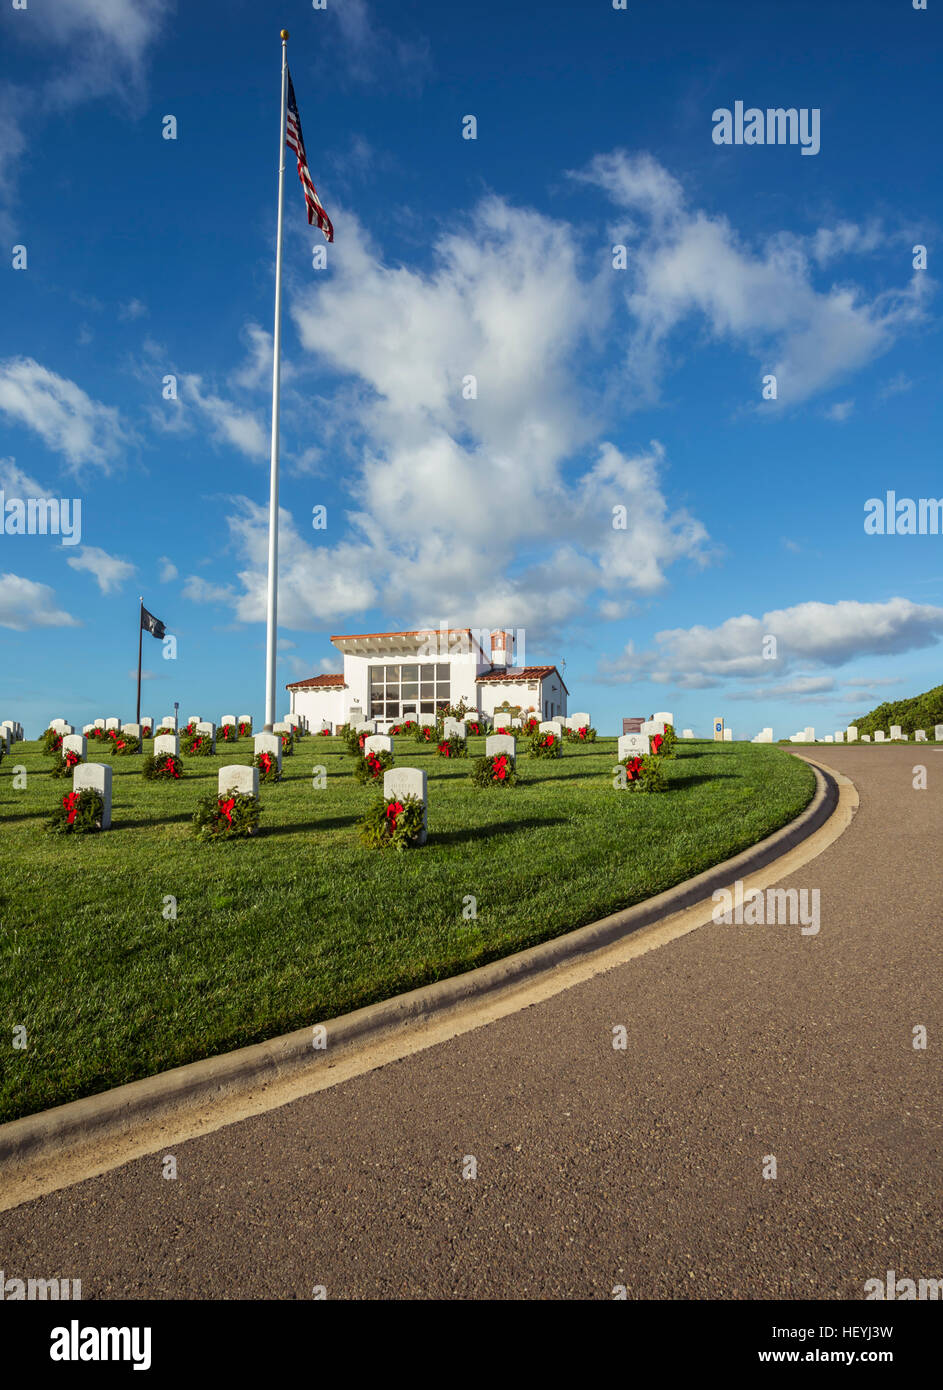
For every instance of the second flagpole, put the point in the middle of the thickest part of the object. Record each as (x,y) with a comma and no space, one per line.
(271,644)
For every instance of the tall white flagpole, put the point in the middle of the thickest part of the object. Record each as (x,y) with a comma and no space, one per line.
(272,607)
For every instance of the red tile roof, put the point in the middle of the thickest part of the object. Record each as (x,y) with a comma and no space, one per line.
(329,682)
(522,673)
(410,632)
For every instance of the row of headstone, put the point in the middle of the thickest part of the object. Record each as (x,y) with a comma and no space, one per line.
(271,744)
(764,736)
(378,743)
(497,745)
(11,732)
(401,782)
(633,746)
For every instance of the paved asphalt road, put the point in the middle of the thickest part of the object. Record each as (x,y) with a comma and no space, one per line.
(596,1167)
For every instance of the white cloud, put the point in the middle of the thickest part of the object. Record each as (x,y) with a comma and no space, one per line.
(25,604)
(846,238)
(372,51)
(109,572)
(134,309)
(202,591)
(467,509)
(67,420)
(106,43)
(81,50)
(231,424)
(16,483)
(840,411)
(690,263)
(168,570)
(817,634)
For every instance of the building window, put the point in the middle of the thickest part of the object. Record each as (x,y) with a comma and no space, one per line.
(425,688)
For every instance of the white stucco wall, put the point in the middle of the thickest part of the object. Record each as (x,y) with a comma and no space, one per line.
(319,703)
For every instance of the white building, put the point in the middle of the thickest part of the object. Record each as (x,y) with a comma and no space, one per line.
(388,675)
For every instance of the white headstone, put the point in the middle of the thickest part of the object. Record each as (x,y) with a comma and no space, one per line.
(664,717)
(245,719)
(633,746)
(75,743)
(895,731)
(578,721)
(408,781)
(839,736)
(938,733)
(132,730)
(453,728)
(238,778)
(226,720)
(809,734)
(879,736)
(516,723)
(687,733)
(496,744)
(87,728)
(852,733)
(113,722)
(920,736)
(169,721)
(325,724)
(269,743)
(194,719)
(865,738)
(364,727)
(98,777)
(378,743)
(551,726)
(206,729)
(99,723)
(167,745)
(728,735)
(829,738)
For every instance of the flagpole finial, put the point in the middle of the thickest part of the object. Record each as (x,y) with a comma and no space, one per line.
(284,33)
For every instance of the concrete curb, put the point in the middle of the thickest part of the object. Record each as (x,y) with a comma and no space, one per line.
(39,1139)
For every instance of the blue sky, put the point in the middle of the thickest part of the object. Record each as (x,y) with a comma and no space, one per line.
(597,387)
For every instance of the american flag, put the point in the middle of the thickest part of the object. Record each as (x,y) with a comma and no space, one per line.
(295,142)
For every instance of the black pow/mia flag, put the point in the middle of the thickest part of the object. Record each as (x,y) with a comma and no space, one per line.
(151,624)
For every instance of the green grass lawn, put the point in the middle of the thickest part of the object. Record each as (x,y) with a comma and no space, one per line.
(301,923)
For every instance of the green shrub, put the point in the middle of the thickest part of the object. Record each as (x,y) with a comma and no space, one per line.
(644,775)
(371,766)
(497,771)
(391,823)
(545,745)
(77,813)
(163,768)
(226,817)
(452,747)
(66,765)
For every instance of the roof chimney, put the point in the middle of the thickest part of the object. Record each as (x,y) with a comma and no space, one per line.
(500,648)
